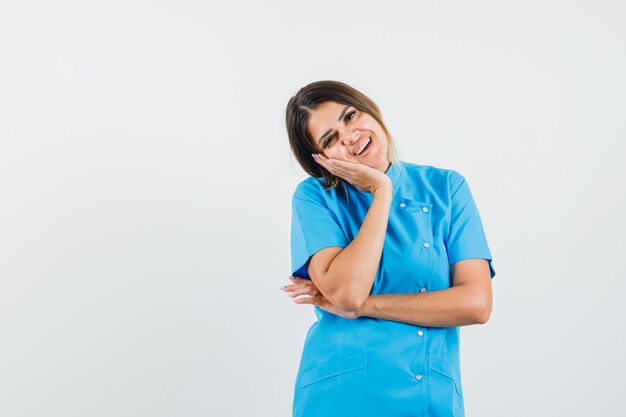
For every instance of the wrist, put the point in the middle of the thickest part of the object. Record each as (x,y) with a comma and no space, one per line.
(383,192)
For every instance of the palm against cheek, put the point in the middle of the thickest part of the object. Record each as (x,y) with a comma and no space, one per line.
(358,174)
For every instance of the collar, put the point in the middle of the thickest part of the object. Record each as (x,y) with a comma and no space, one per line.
(394,172)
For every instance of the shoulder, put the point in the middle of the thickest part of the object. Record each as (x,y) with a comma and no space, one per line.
(308,188)
(433,176)
(312,189)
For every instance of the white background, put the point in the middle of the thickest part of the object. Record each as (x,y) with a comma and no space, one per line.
(146,182)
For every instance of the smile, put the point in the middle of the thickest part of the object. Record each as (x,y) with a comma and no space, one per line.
(363,146)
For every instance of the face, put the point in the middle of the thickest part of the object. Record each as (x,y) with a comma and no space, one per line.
(339,131)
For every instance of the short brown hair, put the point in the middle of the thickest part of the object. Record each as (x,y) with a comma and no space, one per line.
(299,109)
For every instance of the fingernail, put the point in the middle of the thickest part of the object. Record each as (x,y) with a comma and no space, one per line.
(283,287)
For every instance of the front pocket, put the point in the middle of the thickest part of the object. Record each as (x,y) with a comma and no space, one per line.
(442,367)
(334,368)
(414,205)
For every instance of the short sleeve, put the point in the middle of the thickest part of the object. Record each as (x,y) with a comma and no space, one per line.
(313,227)
(466,238)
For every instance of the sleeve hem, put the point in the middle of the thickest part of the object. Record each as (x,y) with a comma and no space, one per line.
(492,271)
(298,267)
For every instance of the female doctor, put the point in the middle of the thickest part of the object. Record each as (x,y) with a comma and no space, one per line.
(393,257)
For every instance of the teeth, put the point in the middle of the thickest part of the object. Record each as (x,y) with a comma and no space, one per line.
(363,145)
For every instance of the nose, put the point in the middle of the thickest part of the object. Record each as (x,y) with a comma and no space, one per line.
(350,137)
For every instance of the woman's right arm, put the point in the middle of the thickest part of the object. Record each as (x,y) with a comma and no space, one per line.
(345,275)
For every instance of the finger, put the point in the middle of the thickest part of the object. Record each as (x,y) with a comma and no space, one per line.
(300,281)
(307,300)
(343,163)
(340,168)
(332,166)
(344,169)
(325,163)
(320,157)
(328,163)
(297,282)
(297,279)
(301,291)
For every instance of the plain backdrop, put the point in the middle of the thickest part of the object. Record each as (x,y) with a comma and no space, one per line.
(146,183)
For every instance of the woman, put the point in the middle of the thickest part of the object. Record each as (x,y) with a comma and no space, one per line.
(393,257)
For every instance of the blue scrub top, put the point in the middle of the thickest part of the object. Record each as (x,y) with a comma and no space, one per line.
(370,366)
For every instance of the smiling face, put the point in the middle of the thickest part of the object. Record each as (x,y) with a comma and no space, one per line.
(340,131)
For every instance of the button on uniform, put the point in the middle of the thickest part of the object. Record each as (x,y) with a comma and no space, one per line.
(425,209)
(426,245)
(403,204)
(420,333)
(422,289)
(418,377)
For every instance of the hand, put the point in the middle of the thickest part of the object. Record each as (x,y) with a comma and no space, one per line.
(306,287)
(362,176)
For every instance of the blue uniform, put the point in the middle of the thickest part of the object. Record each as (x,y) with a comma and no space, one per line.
(374,367)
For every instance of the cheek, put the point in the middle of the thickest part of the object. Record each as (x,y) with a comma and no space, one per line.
(370,124)
(333,152)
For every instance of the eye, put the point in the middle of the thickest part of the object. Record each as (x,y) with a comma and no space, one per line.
(346,119)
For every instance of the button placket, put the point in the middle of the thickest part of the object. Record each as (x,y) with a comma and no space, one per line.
(420,208)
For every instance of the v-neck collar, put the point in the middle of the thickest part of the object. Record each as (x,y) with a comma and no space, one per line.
(394,172)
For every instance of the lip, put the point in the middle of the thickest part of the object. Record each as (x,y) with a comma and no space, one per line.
(358,145)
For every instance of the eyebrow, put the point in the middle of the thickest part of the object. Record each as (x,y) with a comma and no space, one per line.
(330,130)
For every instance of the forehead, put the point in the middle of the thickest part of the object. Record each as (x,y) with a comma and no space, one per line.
(325,117)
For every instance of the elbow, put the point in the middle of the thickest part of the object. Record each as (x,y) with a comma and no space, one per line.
(479,304)
(483,316)
(354,305)
(347,294)
(348,301)
(482,312)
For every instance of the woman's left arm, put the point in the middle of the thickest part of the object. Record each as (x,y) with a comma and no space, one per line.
(468,301)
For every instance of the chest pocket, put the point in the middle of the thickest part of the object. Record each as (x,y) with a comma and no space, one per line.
(420,213)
